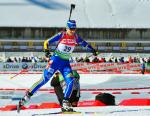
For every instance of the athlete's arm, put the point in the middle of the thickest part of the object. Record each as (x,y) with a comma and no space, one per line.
(83,43)
(52,40)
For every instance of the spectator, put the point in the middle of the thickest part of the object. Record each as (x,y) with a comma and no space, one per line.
(15,59)
(9,60)
(116,60)
(80,60)
(121,59)
(95,59)
(87,59)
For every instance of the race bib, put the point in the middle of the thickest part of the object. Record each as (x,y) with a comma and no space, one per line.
(66,49)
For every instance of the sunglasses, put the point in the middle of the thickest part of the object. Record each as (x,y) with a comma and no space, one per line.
(73,29)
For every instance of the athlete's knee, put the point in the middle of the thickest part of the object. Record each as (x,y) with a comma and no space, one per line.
(69,77)
(47,75)
(45,79)
(69,80)
(70,83)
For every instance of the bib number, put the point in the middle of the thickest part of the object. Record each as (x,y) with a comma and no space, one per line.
(67,49)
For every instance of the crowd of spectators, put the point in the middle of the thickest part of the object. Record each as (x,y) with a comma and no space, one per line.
(84,59)
(114,60)
(25,59)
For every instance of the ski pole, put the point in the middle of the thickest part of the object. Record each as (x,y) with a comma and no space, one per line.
(21,71)
(72,8)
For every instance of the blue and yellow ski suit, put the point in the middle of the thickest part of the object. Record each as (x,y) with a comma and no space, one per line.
(60,60)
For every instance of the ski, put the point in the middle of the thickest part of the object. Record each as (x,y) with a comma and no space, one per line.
(74,112)
(53,113)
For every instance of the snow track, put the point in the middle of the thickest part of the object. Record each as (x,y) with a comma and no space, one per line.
(125,86)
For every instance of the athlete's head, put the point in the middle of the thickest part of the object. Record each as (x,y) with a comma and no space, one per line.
(71,24)
(71,27)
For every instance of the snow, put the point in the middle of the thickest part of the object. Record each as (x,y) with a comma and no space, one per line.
(99,111)
(88,81)
(89,14)
(103,80)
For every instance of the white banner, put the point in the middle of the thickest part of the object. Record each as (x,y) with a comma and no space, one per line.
(97,67)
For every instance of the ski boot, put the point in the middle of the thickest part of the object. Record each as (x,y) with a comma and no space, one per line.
(25,99)
(66,106)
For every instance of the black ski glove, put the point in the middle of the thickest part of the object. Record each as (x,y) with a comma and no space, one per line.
(47,53)
(95,53)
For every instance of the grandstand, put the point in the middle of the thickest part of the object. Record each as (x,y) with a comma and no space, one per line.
(110,26)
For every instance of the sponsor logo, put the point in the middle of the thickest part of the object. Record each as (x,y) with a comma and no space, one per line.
(24,66)
(10,66)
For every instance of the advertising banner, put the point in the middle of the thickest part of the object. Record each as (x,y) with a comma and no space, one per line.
(85,67)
